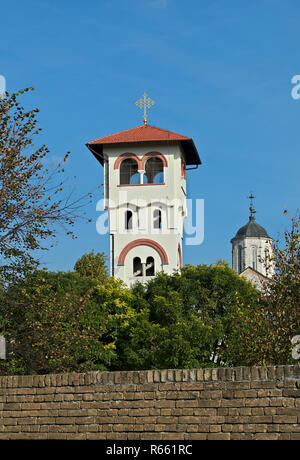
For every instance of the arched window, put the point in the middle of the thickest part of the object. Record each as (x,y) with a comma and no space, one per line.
(150,269)
(137,267)
(129,172)
(157,218)
(240,259)
(128,220)
(154,171)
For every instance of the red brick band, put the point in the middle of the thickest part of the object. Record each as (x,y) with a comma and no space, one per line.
(140,161)
(154,155)
(143,242)
(126,156)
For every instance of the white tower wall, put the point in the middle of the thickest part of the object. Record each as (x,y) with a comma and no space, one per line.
(163,244)
(252,252)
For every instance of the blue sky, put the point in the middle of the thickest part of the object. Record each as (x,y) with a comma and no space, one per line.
(220,72)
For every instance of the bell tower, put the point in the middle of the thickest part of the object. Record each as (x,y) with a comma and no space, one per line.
(145,196)
(252,247)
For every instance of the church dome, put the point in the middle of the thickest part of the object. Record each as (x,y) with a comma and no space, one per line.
(251,229)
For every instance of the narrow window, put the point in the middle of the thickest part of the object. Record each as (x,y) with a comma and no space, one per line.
(128,220)
(137,267)
(129,172)
(157,218)
(240,259)
(254,261)
(150,270)
(179,258)
(154,171)
(183,170)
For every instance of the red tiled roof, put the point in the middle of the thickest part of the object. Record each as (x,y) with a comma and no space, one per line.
(141,133)
(145,133)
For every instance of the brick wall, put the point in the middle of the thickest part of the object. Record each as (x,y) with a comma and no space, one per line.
(231,403)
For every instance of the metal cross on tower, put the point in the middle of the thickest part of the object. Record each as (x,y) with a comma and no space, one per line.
(145,103)
(252,209)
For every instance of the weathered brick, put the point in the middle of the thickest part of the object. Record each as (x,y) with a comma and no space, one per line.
(218,436)
(267,436)
(215,428)
(284,419)
(150,376)
(192,375)
(196,436)
(264,402)
(185,375)
(199,374)
(163,376)
(288,411)
(156,377)
(178,375)
(165,420)
(236,403)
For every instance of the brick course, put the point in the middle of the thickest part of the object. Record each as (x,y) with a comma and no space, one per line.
(259,403)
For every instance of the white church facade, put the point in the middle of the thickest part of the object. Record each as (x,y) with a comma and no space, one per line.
(145,197)
(252,251)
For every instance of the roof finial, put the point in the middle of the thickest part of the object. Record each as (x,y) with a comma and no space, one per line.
(145,103)
(251,208)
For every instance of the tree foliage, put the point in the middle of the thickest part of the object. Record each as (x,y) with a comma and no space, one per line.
(93,266)
(62,322)
(189,316)
(202,316)
(34,198)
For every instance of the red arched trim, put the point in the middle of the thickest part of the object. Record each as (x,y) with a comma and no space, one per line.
(143,242)
(153,154)
(124,156)
(180,255)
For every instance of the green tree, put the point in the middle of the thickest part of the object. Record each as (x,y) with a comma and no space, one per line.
(34,199)
(93,266)
(185,319)
(62,322)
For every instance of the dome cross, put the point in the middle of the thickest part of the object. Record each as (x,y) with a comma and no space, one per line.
(251,208)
